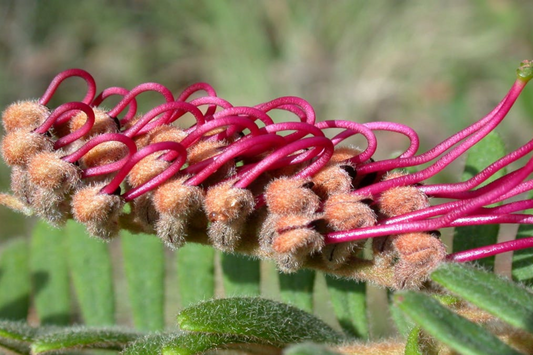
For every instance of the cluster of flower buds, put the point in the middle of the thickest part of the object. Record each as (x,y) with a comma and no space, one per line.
(239,181)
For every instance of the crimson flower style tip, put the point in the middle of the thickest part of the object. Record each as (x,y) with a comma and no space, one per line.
(239,181)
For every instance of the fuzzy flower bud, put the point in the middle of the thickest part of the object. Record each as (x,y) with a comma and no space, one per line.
(98,211)
(25,115)
(19,146)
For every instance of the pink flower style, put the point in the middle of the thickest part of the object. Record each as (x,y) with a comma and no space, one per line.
(240,182)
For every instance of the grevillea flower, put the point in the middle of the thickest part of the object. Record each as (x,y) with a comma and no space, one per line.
(240,182)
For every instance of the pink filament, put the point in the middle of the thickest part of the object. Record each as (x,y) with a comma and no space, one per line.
(490,250)
(59,78)
(103,138)
(353,128)
(449,157)
(135,158)
(115,90)
(139,89)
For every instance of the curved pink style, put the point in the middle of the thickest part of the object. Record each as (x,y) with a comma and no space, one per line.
(115,90)
(59,78)
(108,168)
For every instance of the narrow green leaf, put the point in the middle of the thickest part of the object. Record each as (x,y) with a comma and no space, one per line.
(49,271)
(402,323)
(14,280)
(90,267)
(144,265)
(413,340)
(500,297)
(272,321)
(83,338)
(522,268)
(349,302)
(196,273)
(297,289)
(19,331)
(309,349)
(147,345)
(197,343)
(479,157)
(448,327)
(240,275)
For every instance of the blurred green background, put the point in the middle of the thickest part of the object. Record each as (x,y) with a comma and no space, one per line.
(436,66)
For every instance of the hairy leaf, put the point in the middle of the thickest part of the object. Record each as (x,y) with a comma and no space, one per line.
(83,338)
(272,321)
(500,297)
(49,271)
(413,341)
(448,327)
(144,264)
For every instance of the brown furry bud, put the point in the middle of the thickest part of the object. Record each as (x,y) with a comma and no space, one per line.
(98,211)
(175,197)
(104,153)
(25,115)
(176,203)
(294,241)
(335,255)
(227,208)
(204,150)
(103,123)
(20,184)
(146,169)
(48,171)
(51,205)
(291,196)
(332,179)
(401,200)
(19,146)
(341,154)
(346,211)
(166,133)
(414,256)
(144,213)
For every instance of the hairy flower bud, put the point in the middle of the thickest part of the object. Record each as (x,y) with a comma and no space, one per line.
(98,211)
(402,199)
(176,203)
(227,208)
(103,123)
(333,179)
(19,146)
(146,169)
(291,196)
(295,239)
(48,171)
(25,115)
(346,211)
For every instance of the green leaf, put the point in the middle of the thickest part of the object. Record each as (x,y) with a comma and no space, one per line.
(522,268)
(448,327)
(147,345)
(502,298)
(144,265)
(90,267)
(297,289)
(309,349)
(413,340)
(196,343)
(16,337)
(240,275)
(349,302)
(479,157)
(49,271)
(14,280)
(83,338)
(272,321)
(196,273)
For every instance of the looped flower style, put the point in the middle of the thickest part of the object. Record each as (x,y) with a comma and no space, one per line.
(241,182)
